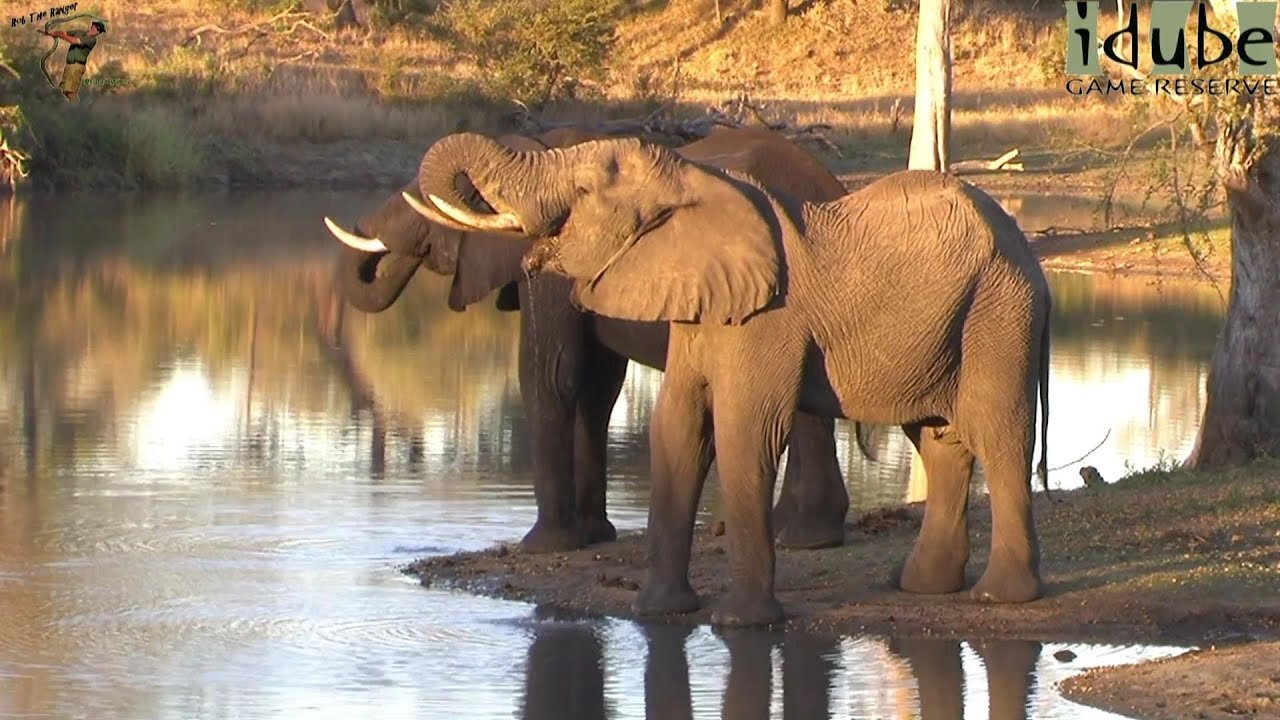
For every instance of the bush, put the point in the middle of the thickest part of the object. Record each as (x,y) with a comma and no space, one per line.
(534,51)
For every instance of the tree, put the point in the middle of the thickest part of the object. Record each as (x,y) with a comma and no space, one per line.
(1242,409)
(777,12)
(931,126)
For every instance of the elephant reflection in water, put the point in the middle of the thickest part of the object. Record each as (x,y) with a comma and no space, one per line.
(565,677)
(939,675)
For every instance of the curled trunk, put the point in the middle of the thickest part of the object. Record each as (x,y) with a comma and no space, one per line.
(472,171)
(361,284)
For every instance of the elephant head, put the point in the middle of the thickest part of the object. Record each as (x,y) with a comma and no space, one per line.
(626,220)
(386,246)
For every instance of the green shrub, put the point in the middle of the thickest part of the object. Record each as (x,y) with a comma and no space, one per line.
(534,51)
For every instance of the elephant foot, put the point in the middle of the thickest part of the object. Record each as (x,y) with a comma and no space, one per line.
(547,538)
(741,609)
(597,530)
(807,531)
(658,598)
(1008,582)
(933,572)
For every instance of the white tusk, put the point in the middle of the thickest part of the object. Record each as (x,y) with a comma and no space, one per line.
(369,245)
(432,214)
(502,221)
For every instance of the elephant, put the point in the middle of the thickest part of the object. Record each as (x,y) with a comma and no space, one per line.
(915,301)
(572,364)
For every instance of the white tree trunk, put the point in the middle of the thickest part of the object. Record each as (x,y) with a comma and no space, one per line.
(1242,406)
(931,127)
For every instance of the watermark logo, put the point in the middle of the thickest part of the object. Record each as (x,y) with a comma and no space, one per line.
(1253,46)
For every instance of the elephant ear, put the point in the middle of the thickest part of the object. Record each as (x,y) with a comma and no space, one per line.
(713,256)
(486,263)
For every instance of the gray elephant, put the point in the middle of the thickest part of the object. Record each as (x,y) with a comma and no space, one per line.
(572,364)
(913,301)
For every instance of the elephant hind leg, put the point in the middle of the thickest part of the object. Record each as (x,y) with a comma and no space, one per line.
(1003,442)
(814,502)
(937,561)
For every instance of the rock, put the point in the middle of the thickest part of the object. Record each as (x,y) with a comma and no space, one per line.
(1065,656)
(1092,478)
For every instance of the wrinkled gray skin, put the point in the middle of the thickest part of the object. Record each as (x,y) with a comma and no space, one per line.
(913,301)
(572,363)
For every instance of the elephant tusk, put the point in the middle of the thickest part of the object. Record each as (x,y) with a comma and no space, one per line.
(432,214)
(501,221)
(369,245)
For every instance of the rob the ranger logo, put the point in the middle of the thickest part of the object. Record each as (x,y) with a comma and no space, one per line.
(1253,45)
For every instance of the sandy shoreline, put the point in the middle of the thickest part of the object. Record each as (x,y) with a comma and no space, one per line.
(1199,564)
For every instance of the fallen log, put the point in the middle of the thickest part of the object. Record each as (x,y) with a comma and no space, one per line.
(1000,164)
(661,127)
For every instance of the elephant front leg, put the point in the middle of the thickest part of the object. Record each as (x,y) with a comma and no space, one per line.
(551,358)
(814,501)
(601,384)
(680,455)
(749,440)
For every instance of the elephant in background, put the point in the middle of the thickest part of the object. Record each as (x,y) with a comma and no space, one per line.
(572,363)
(914,301)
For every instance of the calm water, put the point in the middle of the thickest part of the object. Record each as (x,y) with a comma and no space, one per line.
(204,498)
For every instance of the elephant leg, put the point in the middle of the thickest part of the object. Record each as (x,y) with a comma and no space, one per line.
(551,361)
(680,454)
(939,674)
(1011,667)
(749,433)
(936,563)
(1013,570)
(997,418)
(600,387)
(814,501)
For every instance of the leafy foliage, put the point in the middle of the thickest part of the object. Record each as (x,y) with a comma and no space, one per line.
(533,51)
(74,145)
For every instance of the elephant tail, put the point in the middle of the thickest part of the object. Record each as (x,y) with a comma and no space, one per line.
(1042,470)
(861,434)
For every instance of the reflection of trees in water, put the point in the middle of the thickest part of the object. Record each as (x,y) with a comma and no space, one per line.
(95,327)
(102,330)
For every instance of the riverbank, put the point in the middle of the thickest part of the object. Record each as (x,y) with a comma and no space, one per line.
(1159,557)
(177,95)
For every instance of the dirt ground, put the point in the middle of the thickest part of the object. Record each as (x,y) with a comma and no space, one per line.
(1161,558)
(1217,684)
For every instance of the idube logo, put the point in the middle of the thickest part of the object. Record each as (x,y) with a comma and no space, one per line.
(1253,45)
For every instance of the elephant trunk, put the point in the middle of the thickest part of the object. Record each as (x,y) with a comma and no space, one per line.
(535,188)
(362,286)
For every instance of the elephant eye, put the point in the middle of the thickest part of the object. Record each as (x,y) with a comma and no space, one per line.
(581,191)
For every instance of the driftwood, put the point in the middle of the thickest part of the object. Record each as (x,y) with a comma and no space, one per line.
(258,29)
(1000,164)
(662,127)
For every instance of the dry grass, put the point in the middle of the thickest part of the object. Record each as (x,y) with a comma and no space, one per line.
(839,62)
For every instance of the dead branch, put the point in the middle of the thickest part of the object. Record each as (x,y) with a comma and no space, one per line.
(260,28)
(663,127)
(1001,164)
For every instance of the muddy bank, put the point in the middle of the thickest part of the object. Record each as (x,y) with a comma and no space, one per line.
(1181,558)
(353,164)
(1212,684)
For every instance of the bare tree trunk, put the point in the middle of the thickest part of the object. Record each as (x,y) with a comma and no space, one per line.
(931,127)
(777,12)
(1242,405)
